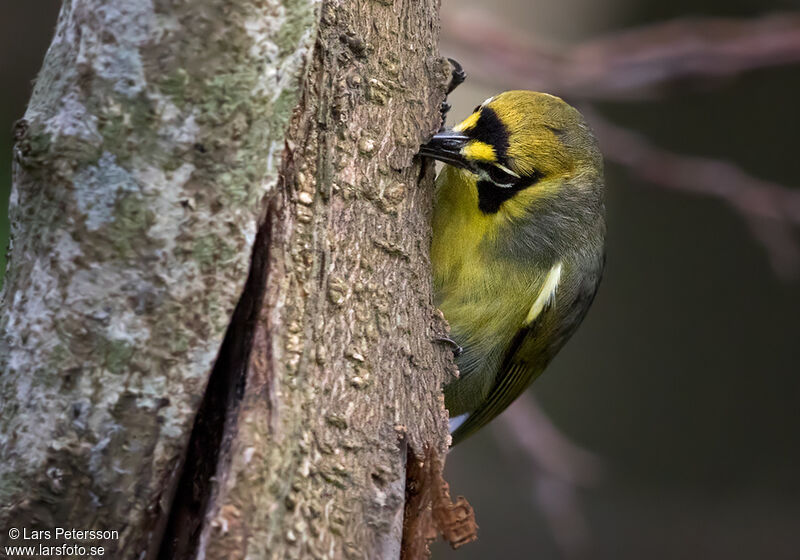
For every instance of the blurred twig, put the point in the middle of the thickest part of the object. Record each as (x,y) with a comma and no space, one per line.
(770,209)
(625,65)
(634,64)
(559,468)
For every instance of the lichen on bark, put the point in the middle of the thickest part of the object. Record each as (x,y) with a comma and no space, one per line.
(139,176)
(153,168)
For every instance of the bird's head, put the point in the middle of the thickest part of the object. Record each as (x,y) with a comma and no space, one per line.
(523,149)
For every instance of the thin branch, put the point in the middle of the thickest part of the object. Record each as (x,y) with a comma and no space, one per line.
(543,443)
(624,65)
(770,209)
(559,467)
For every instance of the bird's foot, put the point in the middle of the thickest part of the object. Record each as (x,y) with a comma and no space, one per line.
(457,75)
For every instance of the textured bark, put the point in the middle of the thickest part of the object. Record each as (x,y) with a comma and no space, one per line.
(344,376)
(152,136)
(152,166)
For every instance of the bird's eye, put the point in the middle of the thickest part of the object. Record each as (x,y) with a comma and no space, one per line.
(500,177)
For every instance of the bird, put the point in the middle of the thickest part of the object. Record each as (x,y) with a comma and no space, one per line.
(518,245)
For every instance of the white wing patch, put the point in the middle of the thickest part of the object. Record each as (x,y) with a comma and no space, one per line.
(548,294)
(456,421)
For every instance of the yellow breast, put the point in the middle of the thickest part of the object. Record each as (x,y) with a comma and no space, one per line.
(484,297)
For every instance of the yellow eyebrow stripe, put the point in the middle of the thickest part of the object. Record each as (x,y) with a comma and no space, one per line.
(547,295)
(467,123)
(479,151)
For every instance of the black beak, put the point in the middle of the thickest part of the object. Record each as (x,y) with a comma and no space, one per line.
(446,146)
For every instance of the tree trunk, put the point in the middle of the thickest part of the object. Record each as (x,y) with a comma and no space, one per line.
(149,384)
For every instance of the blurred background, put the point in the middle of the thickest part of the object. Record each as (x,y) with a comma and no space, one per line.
(669,427)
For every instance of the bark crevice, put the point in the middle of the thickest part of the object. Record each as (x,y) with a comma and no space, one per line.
(217,418)
(224,412)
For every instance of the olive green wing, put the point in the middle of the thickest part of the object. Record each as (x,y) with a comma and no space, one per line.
(516,373)
(547,330)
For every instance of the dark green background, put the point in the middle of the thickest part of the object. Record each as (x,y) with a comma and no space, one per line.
(684,376)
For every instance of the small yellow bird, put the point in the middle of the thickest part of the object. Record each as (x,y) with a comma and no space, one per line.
(518,244)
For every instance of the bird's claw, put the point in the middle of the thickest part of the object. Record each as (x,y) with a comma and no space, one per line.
(457,348)
(457,75)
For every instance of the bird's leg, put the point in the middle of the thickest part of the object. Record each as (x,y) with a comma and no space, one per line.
(457,77)
(457,348)
(444,110)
